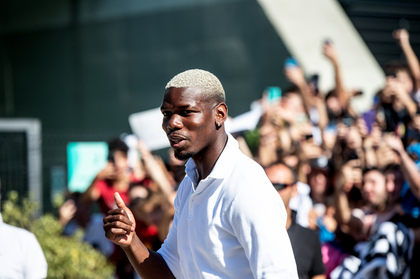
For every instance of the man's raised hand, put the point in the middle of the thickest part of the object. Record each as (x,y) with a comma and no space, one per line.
(119,224)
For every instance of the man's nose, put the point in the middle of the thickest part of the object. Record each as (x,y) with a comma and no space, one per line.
(175,122)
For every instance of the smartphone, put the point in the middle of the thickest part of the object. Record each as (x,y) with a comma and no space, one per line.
(290,63)
(273,94)
(111,158)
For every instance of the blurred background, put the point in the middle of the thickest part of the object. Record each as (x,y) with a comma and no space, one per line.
(74,71)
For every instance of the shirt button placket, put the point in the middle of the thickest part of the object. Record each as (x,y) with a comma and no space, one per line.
(191,208)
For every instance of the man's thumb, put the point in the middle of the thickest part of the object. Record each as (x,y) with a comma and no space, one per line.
(118,200)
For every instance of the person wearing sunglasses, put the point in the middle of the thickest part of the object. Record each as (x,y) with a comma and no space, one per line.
(305,242)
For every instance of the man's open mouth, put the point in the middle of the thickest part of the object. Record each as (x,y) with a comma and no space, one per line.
(176,141)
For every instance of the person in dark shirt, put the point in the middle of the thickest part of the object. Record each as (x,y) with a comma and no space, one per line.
(305,242)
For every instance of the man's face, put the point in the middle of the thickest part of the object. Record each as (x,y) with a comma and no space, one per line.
(318,181)
(279,174)
(354,138)
(394,184)
(120,162)
(188,121)
(294,103)
(374,190)
(333,104)
(404,78)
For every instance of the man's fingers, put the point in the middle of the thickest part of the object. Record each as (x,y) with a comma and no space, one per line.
(118,231)
(118,227)
(116,221)
(118,200)
(117,215)
(121,209)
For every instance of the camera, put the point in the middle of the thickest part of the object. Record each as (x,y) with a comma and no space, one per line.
(111,158)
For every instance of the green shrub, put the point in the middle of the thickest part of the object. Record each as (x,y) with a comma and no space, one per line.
(67,256)
(252,138)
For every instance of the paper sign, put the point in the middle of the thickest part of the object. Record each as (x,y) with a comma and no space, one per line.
(246,121)
(147,125)
(84,161)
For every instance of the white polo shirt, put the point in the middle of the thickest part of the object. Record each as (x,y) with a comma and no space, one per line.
(231,225)
(21,255)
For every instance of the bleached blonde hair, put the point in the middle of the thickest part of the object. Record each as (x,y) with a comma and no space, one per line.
(209,83)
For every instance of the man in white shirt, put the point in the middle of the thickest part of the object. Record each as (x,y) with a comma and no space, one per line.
(229,221)
(21,256)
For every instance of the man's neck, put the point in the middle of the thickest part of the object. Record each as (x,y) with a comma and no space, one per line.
(206,162)
(289,218)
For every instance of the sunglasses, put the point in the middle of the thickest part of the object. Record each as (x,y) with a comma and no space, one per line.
(281,186)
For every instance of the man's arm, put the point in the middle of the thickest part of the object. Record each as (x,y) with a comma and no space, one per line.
(119,227)
(148,264)
(408,167)
(92,194)
(398,91)
(403,38)
(330,52)
(297,77)
(343,212)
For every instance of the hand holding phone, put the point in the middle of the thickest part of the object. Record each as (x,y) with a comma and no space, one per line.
(290,63)
(273,94)
(329,50)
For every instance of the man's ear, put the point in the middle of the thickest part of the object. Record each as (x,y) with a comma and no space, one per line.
(221,112)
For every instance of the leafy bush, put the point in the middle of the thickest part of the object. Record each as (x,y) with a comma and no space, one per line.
(67,256)
(252,139)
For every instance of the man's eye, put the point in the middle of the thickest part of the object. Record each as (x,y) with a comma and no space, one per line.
(186,112)
(165,113)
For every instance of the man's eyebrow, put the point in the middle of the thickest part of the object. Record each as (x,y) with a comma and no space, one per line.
(179,107)
(187,107)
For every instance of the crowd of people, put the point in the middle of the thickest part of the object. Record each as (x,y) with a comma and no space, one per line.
(148,186)
(358,176)
(350,181)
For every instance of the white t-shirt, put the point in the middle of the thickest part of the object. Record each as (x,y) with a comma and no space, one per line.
(302,204)
(230,225)
(21,255)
